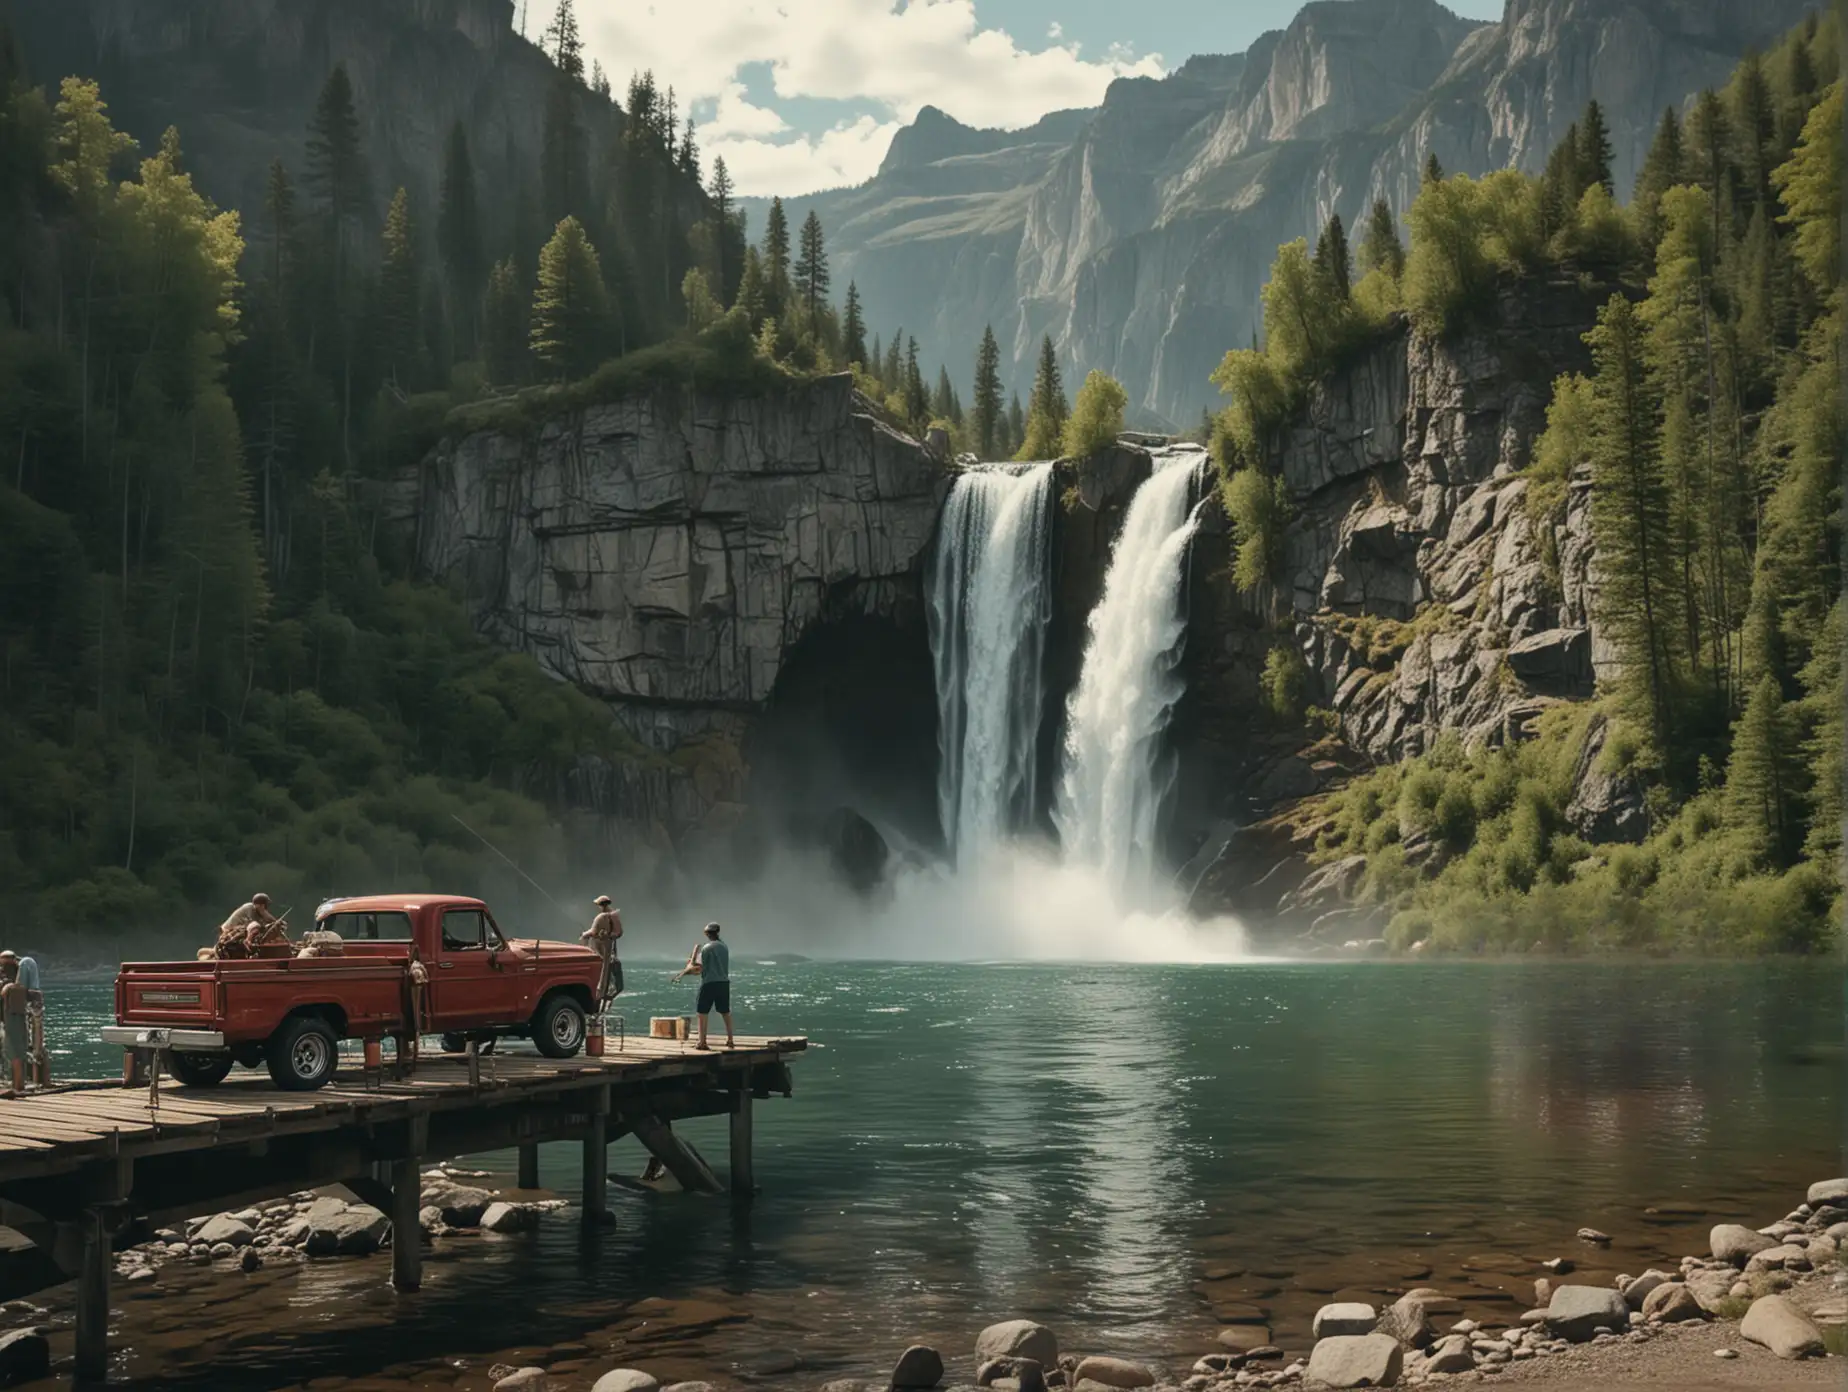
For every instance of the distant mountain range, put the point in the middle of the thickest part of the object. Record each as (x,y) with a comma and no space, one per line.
(1139,233)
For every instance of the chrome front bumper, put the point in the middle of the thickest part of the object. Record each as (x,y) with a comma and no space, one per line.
(160,1037)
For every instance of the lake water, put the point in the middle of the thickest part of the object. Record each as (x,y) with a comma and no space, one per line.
(1133,1154)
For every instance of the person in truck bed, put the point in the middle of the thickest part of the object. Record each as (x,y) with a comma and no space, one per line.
(249,926)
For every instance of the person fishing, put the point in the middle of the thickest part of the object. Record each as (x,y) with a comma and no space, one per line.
(249,926)
(602,934)
(710,961)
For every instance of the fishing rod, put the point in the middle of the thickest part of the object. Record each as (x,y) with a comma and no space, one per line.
(515,867)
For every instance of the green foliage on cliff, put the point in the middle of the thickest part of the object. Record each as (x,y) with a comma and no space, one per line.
(216,673)
(1097,415)
(1707,437)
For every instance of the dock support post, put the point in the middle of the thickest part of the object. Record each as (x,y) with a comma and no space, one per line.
(406,1228)
(92,1363)
(596,1156)
(743,1180)
(529,1164)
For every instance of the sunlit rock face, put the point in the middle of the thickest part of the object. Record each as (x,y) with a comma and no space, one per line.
(670,552)
(1138,235)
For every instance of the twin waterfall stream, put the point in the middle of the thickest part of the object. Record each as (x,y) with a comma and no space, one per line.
(990,605)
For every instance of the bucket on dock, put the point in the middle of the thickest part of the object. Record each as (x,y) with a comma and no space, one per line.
(593,1037)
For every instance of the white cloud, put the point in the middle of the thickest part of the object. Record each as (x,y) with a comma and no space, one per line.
(892,55)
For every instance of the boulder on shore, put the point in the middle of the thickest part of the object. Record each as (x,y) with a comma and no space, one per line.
(1781,1327)
(918,1366)
(1349,1317)
(1828,1191)
(1730,1242)
(1113,1372)
(25,1356)
(1671,1303)
(1578,1312)
(1450,1354)
(1018,1339)
(1356,1360)
(522,1380)
(224,1228)
(1408,1319)
(626,1380)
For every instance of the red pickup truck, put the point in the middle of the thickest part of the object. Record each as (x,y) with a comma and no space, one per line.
(291,1012)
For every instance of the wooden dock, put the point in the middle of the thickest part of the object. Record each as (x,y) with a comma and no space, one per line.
(89,1167)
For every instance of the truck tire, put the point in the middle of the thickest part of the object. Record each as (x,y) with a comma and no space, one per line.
(198,1070)
(303,1053)
(558,1026)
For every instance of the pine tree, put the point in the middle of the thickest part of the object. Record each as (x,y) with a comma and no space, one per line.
(853,328)
(1664,167)
(943,399)
(1047,408)
(458,237)
(1562,184)
(811,270)
(336,167)
(563,44)
(1380,247)
(1765,775)
(687,161)
(1754,123)
(875,364)
(720,192)
(893,370)
(1595,149)
(599,80)
(988,418)
(917,396)
(776,258)
(400,278)
(1709,142)
(1630,522)
(504,331)
(1433,171)
(570,304)
(1333,265)
(1016,427)
(753,294)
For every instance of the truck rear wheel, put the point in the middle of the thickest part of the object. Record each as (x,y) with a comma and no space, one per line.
(303,1053)
(558,1026)
(198,1070)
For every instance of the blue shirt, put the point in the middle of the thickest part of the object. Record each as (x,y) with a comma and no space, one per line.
(714,961)
(29,974)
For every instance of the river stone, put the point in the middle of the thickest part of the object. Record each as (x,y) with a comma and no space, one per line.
(1018,1339)
(1577,1312)
(1777,1258)
(1777,1324)
(1346,1318)
(1636,1291)
(1020,1374)
(918,1366)
(694,1386)
(1828,1191)
(506,1217)
(522,1380)
(1409,1318)
(1729,1242)
(1672,1302)
(224,1228)
(1710,1287)
(251,1260)
(353,1231)
(1356,1360)
(1450,1354)
(462,1206)
(1113,1372)
(626,1380)
(25,1356)
(1242,1338)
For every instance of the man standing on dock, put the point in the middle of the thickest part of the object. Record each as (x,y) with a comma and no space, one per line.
(711,963)
(604,929)
(14,1046)
(28,970)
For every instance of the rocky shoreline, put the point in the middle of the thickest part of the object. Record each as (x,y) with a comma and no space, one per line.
(1754,1303)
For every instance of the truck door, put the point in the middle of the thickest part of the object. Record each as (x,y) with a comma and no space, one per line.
(467,988)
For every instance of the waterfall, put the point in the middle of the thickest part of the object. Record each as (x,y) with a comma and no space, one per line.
(989,602)
(1115,775)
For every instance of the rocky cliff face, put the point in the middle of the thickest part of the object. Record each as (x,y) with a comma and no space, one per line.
(712,565)
(1140,242)
(240,78)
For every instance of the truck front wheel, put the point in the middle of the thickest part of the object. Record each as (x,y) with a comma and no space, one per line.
(198,1070)
(303,1053)
(558,1026)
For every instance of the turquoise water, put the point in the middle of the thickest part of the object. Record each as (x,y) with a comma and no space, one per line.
(1123,1151)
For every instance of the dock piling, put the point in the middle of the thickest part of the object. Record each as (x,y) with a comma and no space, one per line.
(743,1180)
(406,1228)
(92,1364)
(596,1156)
(529,1165)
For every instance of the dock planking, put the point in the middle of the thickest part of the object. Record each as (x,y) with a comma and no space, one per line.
(88,1166)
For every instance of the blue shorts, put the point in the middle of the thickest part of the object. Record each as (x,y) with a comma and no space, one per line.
(715,995)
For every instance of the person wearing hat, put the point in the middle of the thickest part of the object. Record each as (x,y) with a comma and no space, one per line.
(25,970)
(249,924)
(711,963)
(604,929)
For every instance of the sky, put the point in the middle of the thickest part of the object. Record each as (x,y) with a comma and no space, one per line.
(799,95)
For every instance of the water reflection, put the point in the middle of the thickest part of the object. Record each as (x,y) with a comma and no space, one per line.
(1085,1144)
